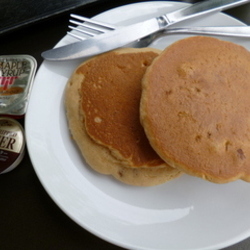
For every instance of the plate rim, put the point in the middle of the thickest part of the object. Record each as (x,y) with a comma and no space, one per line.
(51,194)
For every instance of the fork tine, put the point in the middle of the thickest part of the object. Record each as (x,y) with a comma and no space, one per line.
(75,36)
(91,21)
(85,32)
(86,26)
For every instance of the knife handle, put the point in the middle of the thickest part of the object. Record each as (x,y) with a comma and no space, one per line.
(200,8)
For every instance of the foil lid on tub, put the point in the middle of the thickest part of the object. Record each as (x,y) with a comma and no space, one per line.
(12,144)
(16,79)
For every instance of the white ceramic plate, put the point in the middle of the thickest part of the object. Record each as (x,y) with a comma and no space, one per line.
(186,213)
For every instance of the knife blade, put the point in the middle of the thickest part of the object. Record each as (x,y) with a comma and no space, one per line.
(125,35)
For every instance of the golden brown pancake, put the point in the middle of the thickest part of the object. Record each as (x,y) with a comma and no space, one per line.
(195,108)
(102,103)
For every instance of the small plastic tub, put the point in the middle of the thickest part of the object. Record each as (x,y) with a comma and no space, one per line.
(12,144)
(16,79)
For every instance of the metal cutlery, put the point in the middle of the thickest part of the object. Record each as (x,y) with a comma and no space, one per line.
(126,35)
(87,27)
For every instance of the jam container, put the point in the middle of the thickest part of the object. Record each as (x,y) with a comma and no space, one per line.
(12,144)
(16,79)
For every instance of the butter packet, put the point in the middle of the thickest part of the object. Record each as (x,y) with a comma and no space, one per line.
(12,144)
(16,78)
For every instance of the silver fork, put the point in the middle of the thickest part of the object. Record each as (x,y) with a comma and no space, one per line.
(90,28)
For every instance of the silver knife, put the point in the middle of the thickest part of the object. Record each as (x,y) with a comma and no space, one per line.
(125,35)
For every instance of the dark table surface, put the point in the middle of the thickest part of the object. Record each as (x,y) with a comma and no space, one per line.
(29,218)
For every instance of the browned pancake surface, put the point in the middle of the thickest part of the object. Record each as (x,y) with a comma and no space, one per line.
(102,102)
(111,94)
(195,108)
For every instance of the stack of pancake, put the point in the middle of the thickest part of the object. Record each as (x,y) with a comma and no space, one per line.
(145,116)
(102,102)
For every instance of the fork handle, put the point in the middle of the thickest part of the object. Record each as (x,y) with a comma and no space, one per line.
(201,8)
(237,31)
